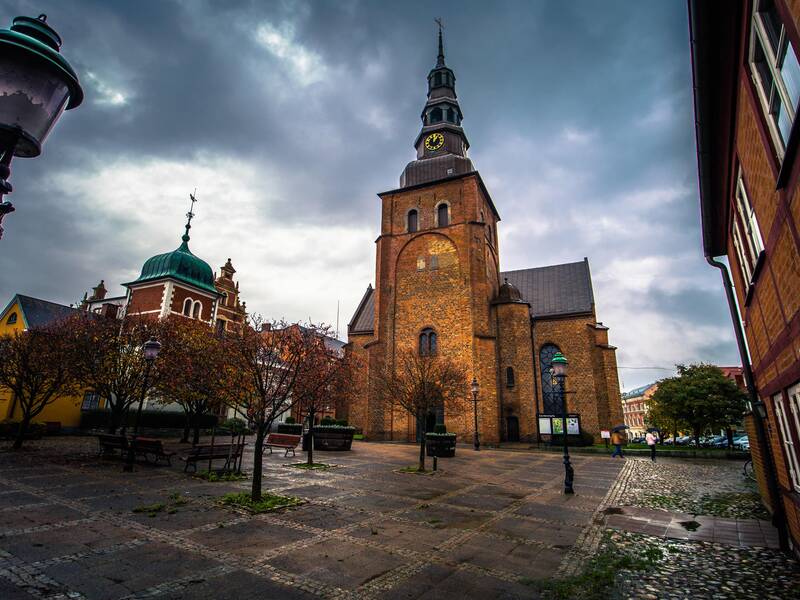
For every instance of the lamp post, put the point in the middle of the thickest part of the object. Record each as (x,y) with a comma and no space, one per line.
(37,84)
(151,348)
(476,442)
(559,369)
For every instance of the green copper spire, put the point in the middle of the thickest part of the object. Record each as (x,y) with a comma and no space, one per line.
(180,264)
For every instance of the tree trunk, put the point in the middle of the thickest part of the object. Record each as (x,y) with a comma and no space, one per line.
(115,417)
(729,435)
(311,439)
(255,492)
(422,453)
(196,419)
(23,429)
(185,436)
(697,437)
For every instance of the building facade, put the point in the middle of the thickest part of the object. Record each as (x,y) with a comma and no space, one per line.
(746,90)
(635,405)
(439,289)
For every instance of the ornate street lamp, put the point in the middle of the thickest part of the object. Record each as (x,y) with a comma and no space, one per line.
(36,85)
(559,370)
(476,442)
(151,348)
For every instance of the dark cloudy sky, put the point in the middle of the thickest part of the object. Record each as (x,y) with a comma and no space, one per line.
(289,117)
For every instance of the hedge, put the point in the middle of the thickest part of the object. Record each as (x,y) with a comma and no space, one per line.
(153,419)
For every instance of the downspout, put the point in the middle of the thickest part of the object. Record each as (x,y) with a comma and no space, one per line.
(778,514)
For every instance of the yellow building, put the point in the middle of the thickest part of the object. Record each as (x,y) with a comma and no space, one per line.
(24,312)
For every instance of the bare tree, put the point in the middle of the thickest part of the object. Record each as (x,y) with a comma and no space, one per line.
(421,384)
(324,382)
(267,360)
(34,368)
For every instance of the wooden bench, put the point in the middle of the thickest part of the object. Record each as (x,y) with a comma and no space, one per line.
(144,447)
(282,440)
(110,443)
(230,452)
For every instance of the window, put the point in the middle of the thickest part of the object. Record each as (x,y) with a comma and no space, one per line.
(420,263)
(91,401)
(510,377)
(434,262)
(224,298)
(451,115)
(427,342)
(413,218)
(436,115)
(196,309)
(746,233)
(220,325)
(775,70)
(12,318)
(785,433)
(187,307)
(443,215)
(550,397)
(437,79)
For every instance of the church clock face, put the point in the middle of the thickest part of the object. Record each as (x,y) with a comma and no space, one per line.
(434,141)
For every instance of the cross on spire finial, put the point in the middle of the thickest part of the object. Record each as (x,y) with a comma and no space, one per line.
(440,58)
(189,216)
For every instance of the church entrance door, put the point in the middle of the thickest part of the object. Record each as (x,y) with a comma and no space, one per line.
(512,429)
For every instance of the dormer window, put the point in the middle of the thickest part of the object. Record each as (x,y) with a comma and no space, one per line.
(413,218)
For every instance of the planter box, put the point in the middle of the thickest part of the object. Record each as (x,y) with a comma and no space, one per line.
(333,437)
(440,445)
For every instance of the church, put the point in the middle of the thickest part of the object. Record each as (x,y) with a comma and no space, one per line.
(439,289)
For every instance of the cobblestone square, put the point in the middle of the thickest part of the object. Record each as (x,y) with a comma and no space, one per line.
(492,524)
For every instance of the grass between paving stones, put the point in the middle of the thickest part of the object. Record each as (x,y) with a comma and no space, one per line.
(415,470)
(170,507)
(601,573)
(268,502)
(213,476)
(723,504)
(311,467)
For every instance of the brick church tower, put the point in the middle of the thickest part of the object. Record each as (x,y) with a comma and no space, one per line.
(439,289)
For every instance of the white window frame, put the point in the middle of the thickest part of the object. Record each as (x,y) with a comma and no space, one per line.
(191,307)
(760,35)
(785,434)
(747,213)
(744,264)
(197,308)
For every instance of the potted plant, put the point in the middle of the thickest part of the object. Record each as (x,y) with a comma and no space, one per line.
(440,443)
(332,434)
(289,426)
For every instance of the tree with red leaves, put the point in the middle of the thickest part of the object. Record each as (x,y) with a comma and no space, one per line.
(35,368)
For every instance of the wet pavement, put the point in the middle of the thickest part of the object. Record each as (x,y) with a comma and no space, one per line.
(485,525)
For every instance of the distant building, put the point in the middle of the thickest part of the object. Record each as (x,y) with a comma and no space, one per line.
(635,406)
(746,71)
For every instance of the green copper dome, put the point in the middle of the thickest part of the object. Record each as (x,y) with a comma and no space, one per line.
(179,264)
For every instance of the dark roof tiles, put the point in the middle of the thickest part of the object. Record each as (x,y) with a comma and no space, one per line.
(556,289)
(41,312)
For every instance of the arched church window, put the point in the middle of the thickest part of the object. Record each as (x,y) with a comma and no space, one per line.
(187,307)
(442,215)
(436,115)
(12,318)
(427,342)
(413,218)
(550,397)
(510,377)
(196,310)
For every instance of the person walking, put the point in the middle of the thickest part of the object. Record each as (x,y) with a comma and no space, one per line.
(617,439)
(652,440)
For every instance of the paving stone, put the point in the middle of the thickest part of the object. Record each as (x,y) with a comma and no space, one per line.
(235,586)
(437,582)
(339,562)
(446,516)
(249,539)
(421,538)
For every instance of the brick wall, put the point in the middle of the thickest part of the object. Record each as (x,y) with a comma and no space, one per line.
(515,351)
(146,299)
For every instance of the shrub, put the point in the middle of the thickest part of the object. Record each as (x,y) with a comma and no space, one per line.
(289,420)
(234,425)
(328,421)
(341,422)
(440,428)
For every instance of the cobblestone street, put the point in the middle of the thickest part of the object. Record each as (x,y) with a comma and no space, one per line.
(492,524)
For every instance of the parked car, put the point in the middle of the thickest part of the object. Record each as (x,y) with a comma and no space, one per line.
(742,443)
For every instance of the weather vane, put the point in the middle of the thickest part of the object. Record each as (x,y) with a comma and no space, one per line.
(190,214)
(438,21)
